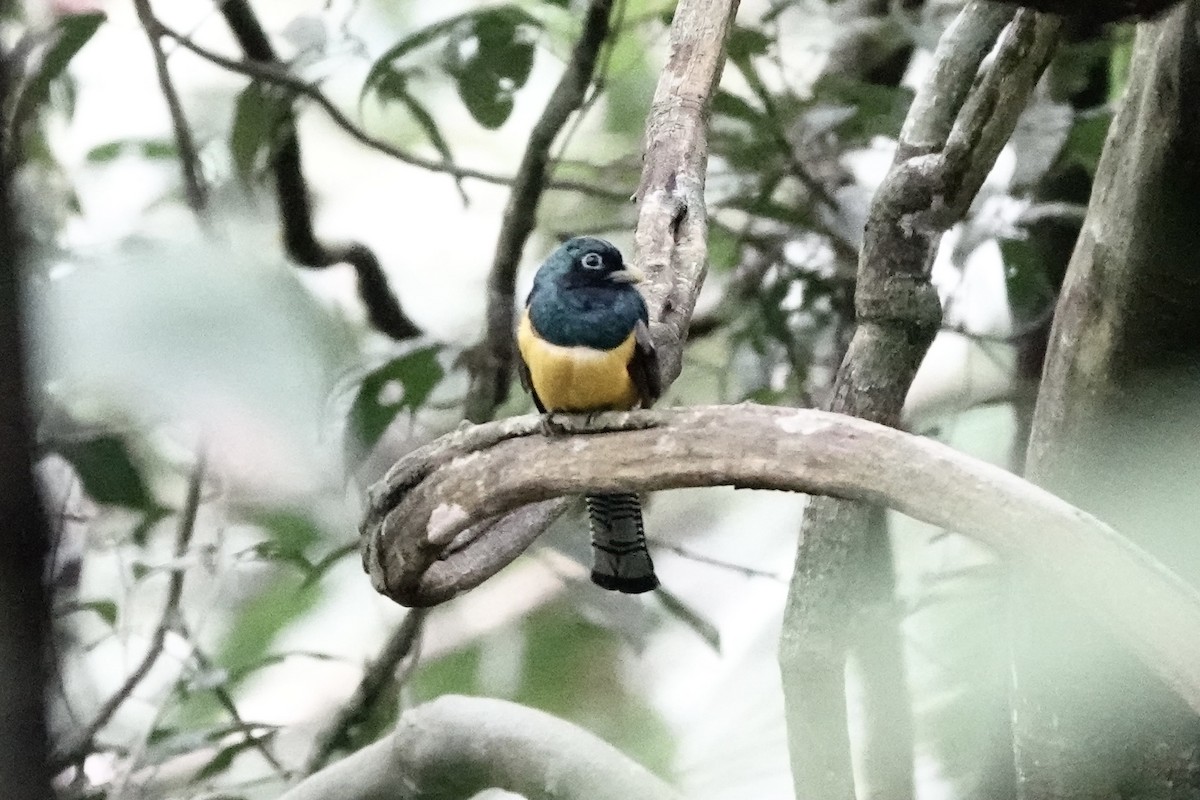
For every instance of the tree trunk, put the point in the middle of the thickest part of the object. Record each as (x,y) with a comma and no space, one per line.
(1115,433)
(23,625)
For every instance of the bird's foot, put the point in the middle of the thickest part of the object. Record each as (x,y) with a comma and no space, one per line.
(555,424)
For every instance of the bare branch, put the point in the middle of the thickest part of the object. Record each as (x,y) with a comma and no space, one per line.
(472,475)
(382,671)
(671,239)
(491,362)
(459,746)
(295,206)
(78,747)
(189,163)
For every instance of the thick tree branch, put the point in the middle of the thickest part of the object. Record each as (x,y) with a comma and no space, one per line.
(491,362)
(671,238)
(459,746)
(439,491)
(194,187)
(953,132)
(25,624)
(1118,392)
(80,745)
(295,206)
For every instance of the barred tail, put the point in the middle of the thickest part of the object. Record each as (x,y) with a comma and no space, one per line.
(620,558)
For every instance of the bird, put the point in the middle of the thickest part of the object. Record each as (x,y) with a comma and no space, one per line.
(585,347)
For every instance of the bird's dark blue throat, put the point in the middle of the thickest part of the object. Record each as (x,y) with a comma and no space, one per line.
(575,305)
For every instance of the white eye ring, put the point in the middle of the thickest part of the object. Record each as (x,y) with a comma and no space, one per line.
(592,261)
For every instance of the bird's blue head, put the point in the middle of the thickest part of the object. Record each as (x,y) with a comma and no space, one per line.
(586,261)
(583,294)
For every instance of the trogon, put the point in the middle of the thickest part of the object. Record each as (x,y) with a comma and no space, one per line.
(585,347)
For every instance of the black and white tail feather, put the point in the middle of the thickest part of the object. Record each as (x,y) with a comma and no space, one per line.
(620,560)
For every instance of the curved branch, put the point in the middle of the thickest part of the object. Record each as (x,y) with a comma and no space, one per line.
(439,491)
(491,370)
(459,746)
(295,206)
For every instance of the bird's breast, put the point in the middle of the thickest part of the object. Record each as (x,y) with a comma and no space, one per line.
(577,378)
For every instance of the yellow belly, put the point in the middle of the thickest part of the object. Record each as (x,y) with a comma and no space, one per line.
(577,378)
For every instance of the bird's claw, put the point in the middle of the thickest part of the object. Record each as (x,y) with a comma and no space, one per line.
(553,425)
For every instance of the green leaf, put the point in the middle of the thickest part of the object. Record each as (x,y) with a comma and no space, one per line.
(727,104)
(158,148)
(877,110)
(278,658)
(745,43)
(105,609)
(223,760)
(1029,291)
(723,249)
(71,33)
(108,472)
(259,621)
(291,531)
(1086,140)
(105,152)
(147,148)
(259,115)
(394,86)
(429,34)
(490,61)
(403,383)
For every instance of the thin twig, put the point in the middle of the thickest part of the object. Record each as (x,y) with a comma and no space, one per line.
(189,162)
(247,729)
(403,643)
(700,558)
(279,76)
(78,748)
(491,362)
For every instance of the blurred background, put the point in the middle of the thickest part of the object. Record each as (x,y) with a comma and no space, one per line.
(177,345)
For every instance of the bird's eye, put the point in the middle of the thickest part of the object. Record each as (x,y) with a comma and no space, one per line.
(592,261)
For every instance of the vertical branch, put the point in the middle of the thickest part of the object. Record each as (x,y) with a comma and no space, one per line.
(953,133)
(295,206)
(491,361)
(671,238)
(194,187)
(1118,392)
(24,625)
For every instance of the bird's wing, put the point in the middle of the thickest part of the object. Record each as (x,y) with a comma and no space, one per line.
(523,368)
(643,366)
(527,382)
